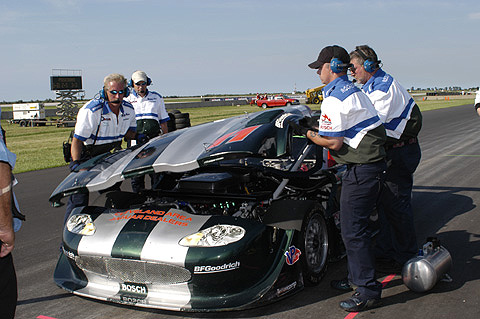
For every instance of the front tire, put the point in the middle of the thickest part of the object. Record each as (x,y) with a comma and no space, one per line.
(314,247)
(264,105)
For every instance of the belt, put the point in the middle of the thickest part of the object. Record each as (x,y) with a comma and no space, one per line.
(350,166)
(412,140)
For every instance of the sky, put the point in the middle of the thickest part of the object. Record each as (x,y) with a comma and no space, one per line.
(199,47)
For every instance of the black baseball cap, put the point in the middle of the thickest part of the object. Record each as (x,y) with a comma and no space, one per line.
(328,53)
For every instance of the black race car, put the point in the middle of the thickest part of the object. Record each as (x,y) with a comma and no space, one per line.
(244,213)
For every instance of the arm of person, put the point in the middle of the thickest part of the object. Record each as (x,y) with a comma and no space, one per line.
(330,142)
(130,135)
(164,127)
(76,149)
(7,235)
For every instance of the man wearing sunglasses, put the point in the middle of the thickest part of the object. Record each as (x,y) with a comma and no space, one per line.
(396,242)
(151,117)
(101,125)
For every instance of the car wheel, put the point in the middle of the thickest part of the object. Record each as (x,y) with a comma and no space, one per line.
(264,105)
(288,104)
(314,247)
(23,123)
(316,100)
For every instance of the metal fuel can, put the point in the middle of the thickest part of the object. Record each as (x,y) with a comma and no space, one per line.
(421,273)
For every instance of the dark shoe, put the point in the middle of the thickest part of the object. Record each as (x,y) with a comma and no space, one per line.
(342,285)
(356,303)
(388,266)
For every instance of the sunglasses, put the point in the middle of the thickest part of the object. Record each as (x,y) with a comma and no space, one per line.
(141,83)
(114,92)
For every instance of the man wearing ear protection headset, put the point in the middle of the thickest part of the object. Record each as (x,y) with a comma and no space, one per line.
(351,129)
(101,125)
(396,242)
(151,117)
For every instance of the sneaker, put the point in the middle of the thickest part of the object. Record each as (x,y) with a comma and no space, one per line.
(342,285)
(356,303)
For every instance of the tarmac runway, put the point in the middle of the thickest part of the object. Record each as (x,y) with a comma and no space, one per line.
(445,198)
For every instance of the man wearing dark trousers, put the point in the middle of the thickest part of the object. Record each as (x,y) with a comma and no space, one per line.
(101,125)
(8,226)
(351,129)
(396,242)
(151,117)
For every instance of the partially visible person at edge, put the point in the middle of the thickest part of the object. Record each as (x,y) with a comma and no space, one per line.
(151,117)
(477,102)
(10,222)
(351,129)
(396,242)
(101,125)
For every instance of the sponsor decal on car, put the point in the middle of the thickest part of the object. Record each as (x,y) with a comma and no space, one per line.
(133,289)
(214,269)
(279,122)
(292,255)
(284,290)
(175,219)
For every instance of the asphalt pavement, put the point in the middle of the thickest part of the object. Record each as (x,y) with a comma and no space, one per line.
(445,199)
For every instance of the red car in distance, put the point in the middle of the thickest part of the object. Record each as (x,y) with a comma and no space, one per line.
(277,100)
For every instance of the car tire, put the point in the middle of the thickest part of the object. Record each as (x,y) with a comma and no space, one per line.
(22,123)
(288,104)
(181,115)
(182,121)
(264,105)
(313,243)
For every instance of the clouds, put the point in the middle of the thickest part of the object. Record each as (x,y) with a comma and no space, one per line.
(474,16)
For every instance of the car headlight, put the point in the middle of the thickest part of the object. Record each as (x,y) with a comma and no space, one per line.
(218,235)
(81,224)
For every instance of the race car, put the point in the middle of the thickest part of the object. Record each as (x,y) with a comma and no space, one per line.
(244,213)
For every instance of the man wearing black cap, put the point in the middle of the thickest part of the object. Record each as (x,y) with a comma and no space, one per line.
(396,242)
(351,129)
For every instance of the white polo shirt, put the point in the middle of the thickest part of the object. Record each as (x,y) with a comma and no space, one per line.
(151,107)
(346,112)
(112,129)
(392,102)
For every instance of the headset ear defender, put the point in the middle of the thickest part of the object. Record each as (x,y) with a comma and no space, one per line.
(338,66)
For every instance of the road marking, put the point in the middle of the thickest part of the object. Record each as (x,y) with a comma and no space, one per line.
(464,155)
(385,281)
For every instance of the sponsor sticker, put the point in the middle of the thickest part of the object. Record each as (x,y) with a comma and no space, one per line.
(214,269)
(292,255)
(279,122)
(171,218)
(131,289)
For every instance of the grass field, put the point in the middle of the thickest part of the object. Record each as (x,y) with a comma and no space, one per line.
(41,147)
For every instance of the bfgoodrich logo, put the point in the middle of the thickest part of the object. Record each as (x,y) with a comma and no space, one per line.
(214,269)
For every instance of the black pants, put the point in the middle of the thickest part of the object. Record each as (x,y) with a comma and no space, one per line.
(361,187)
(397,240)
(8,288)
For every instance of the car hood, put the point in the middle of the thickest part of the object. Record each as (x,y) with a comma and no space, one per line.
(259,134)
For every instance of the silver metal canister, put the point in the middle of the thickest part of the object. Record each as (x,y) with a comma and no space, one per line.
(421,273)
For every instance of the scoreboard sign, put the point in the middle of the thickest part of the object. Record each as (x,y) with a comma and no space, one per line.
(58,83)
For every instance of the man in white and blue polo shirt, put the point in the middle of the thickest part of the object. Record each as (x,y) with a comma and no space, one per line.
(101,125)
(351,129)
(396,242)
(150,114)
